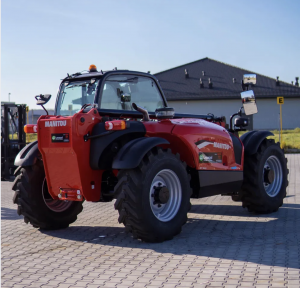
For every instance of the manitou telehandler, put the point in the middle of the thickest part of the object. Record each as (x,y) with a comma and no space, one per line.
(113,136)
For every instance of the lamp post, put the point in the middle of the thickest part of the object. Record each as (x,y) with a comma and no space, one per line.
(8,97)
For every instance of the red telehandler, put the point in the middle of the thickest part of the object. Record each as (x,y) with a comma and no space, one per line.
(113,136)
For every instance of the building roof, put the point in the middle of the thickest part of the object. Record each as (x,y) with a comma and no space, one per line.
(178,87)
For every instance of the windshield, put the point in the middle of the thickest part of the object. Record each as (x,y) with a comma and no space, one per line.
(73,95)
(120,91)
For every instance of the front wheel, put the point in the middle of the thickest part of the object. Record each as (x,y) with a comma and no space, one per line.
(153,199)
(35,203)
(265,178)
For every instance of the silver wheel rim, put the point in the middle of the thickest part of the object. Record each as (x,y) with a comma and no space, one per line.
(273,164)
(166,212)
(52,204)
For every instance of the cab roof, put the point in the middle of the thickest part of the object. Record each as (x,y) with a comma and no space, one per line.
(101,73)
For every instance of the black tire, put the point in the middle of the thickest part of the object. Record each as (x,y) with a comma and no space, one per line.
(31,196)
(133,197)
(256,194)
(236,198)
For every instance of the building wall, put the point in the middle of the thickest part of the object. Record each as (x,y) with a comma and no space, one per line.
(34,114)
(269,111)
(266,118)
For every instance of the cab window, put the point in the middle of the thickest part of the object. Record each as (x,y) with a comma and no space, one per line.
(73,95)
(120,91)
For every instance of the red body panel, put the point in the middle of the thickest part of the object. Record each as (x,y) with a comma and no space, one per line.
(67,163)
(183,134)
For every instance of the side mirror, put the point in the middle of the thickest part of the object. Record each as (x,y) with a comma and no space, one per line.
(249,103)
(42,99)
(249,79)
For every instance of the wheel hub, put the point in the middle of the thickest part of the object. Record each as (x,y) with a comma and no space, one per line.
(161,194)
(165,195)
(272,176)
(269,175)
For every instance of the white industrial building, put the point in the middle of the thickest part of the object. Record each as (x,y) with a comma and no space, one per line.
(209,86)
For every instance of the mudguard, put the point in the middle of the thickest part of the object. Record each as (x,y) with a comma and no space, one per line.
(101,151)
(132,153)
(28,155)
(253,139)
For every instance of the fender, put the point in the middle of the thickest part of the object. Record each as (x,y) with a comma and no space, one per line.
(253,139)
(132,153)
(237,147)
(102,150)
(28,155)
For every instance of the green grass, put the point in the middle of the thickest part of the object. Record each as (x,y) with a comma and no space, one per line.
(290,138)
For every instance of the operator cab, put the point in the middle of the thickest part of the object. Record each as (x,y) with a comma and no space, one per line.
(114,90)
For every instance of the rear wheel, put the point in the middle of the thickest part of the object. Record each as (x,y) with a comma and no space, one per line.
(236,197)
(265,178)
(35,203)
(153,199)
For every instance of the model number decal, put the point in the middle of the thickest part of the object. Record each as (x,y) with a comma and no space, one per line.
(203,143)
(55,123)
(221,145)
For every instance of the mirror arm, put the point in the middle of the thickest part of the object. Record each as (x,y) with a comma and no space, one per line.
(240,111)
(230,121)
(245,87)
(42,100)
(45,109)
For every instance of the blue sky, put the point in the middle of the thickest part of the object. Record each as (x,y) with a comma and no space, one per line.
(42,41)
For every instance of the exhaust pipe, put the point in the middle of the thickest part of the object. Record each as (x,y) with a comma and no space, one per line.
(142,110)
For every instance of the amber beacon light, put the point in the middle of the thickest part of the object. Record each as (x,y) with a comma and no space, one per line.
(93,68)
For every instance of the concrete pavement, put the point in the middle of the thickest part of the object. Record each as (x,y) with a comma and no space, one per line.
(222,245)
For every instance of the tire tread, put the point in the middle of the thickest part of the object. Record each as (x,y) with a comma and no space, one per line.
(27,198)
(250,194)
(127,202)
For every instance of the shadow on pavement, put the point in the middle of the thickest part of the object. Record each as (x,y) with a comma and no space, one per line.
(10,214)
(11,179)
(272,239)
(238,210)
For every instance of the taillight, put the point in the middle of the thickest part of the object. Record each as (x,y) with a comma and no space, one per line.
(115,125)
(30,128)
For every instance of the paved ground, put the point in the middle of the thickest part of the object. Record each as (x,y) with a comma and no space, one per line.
(222,245)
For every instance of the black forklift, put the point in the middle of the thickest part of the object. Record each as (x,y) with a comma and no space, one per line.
(13,137)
